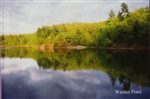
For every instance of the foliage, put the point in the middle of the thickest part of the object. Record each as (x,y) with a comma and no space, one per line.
(111,14)
(127,29)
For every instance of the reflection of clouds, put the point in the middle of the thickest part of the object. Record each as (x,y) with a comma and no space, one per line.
(10,65)
(30,82)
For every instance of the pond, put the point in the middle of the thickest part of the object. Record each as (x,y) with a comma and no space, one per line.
(74,74)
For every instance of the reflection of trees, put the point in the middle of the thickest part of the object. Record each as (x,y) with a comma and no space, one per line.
(74,60)
(44,63)
(125,82)
(124,66)
(17,52)
(112,79)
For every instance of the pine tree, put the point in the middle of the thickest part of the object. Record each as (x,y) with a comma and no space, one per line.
(120,16)
(124,9)
(111,14)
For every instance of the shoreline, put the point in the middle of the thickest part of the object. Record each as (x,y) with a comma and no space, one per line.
(79,47)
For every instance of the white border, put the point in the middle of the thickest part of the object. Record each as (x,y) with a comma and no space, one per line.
(76,1)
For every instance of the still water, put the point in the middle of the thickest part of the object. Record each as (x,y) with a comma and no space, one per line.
(74,74)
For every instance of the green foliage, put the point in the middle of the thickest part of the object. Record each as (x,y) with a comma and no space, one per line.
(2,40)
(124,12)
(120,16)
(124,9)
(111,14)
(129,30)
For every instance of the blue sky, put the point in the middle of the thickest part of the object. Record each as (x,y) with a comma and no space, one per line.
(25,16)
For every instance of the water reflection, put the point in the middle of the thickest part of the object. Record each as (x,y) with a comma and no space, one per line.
(65,74)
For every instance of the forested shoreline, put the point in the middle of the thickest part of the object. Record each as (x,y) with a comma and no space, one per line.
(123,30)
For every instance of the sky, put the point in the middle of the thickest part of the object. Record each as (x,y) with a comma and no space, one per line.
(25,16)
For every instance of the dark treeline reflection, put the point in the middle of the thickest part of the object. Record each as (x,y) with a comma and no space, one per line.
(125,66)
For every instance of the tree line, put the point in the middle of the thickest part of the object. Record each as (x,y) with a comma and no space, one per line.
(125,29)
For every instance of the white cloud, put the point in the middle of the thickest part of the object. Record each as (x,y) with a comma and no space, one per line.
(12,65)
(30,67)
(26,17)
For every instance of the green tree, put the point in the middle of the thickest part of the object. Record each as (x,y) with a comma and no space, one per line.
(119,15)
(124,9)
(111,14)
